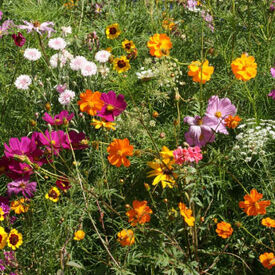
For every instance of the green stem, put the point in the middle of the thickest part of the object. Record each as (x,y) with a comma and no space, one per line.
(252,100)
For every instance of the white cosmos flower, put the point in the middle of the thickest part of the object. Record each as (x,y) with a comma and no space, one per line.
(102,56)
(77,63)
(32,54)
(23,82)
(57,43)
(88,69)
(66,97)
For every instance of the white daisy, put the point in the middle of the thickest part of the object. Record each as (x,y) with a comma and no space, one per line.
(23,82)
(88,69)
(77,63)
(57,43)
(102,56)
(32,54)
(66,97)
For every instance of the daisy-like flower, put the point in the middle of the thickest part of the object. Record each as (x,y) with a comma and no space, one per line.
(79,235)
(77,140)
(268,222)
(232,121)
(15,239)
(118,151)
(90,102)
(3,237)
(163,172)
(168,24)
(113,31)
(244,68)
(63,185)
(252,205)
(103,124)
(190,154)
(201,72)
(126,237)
(140,213)
(166,153)
(88,68)
(38,27)
(77,63)
(128,45)
(62,118)
(32,54)
(186,214)
(66,97)
(20,206)
(224,230)
(57,43)
(22,186)
(23,82)
(53,194)
(159,45)
(4,28)
(267,260)
(121,64)
(19,39)
(102,56)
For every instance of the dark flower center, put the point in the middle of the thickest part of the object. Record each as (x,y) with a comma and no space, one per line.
(22,185)
(112,30)
(1,238)
(2,168)
(121,64)
(53,194)
(14,239)
(36,24)
(128,46)
(166,171)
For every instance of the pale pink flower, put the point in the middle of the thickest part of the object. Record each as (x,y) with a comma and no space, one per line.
(32,54)
(23,82)
(66,30)
(88,69)
(189,154)
(66,97)
(77,63)
(102,56)
(61,58)
(57,43)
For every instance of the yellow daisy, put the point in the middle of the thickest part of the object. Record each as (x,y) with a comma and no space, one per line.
(15,239)
(121,64)
(128,45)
(53,194)
(3,237)
(113,31)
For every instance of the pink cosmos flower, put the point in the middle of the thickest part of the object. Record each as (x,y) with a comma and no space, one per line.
(18,169)
(217,111)
(4,29)
(61,88)
(62,118)
(76,141)
(114,105)
(22,186)
(19,39)
(272,71)
(189,154)
(1,14)
(39,28)
(272,94)
(199,133)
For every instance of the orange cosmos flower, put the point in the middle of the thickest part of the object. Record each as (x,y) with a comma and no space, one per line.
(168,24)
(187,214)
(20,206)
(79,235)
(90,102)
(244,67)
(118,150)
(200,72)
(268,222)
(140,213)
(224,230)
(232,122)
(252,206)
(267,260)
(159,45)
(126,237)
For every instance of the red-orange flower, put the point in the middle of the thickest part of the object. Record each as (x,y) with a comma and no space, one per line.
(187,214)
(126,237)
(267,260)
(232,122)
(90,102)
(268,222)
(251,204)
(140,213)
(159,45)
(224,230)
(118,150)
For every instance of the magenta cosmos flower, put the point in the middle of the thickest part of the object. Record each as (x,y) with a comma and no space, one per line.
(272,71)
(189,154)
(272,94)
(62,118)
(114,105)
(22,186)
(39,28)
(199,133)
(77,141)
(19,39)
(217,110)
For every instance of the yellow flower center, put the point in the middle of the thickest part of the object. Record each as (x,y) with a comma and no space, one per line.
(110,107)
(22,185)
(52,142)
(218,114)
(199,122)
(2,168)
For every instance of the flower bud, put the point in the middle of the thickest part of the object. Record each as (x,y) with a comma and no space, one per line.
(48,106)
(155,114)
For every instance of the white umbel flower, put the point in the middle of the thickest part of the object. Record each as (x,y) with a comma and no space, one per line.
(88,69)
(57,43)
(32,54)
(23,82)
(66,97)
(102,56)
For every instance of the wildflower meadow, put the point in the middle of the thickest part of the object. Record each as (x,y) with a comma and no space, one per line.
(137,137)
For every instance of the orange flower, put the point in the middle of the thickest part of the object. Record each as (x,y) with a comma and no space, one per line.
(244,67)
(90,102)
(232,122)
(268,222)
(187,214)
(252,206)
(118,150)
(20,206)
(267,260)
(140,213)
(200,72)
(126,237)
(224,230)
(168,24)
(159,45)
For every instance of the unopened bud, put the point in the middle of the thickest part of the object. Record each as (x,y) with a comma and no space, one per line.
(165,200)
(147,186)
(137,153)
(162,135)
(33,123)
(48,106)
(127,206)
(176,122)
(155,114)
(238,224)
(177,96)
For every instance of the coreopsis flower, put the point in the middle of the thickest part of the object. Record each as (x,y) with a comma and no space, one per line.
(201,72)
(53,194)
(186,214)
(159,45)
(121,64)
(19,39)
(23,82)
(113,31)
(77,63)
(126,237)
(32,54)
(232,121)
(3,237)
(57,43)
(118,151)
(79,235)
(244,67)
(22,186)
(128,45)
(140,213)
(268,222)
(102,56)
(90,102)
(272,94)
(2,214)
(64,185)
(62,118)
(252,205)
(224,230)
(66,97)
(168,24)
(166,153)
(267,260)
(20,206)
(185,155)
(88,68)
(40,28)
(163,172)
(14,239)
(113,106)
(103,123)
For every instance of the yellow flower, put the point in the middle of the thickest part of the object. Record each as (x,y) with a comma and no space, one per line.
(15,239)
(103,123)
(3,237)
(113,31)
(20,206)
(121,64)
(159,45)
(166,153)
(126,237)
(128,45)
(79,235)
(187,214)
(168,24)
(2,213)
(200,72)
(53,194)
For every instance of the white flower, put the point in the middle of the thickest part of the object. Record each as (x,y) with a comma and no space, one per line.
(145,75)
(57,43)
(102,56)
(66,97)
(23,82)
(66,30)
(32,54)
(77,63)
(104,71)
(88,69)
